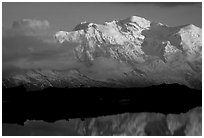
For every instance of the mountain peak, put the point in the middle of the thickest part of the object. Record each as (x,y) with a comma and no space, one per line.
(142,22)
(82,25)
(136,19)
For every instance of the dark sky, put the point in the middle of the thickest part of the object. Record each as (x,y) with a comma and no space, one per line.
(66,15)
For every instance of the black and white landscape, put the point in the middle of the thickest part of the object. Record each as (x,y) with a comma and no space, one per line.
(128,76)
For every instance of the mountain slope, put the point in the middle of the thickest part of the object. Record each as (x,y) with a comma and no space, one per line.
(155,52)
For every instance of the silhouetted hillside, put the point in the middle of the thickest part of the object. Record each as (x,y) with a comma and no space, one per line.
(56,103)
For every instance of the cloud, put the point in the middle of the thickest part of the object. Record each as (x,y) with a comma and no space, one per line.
(29,41)
(31,53)
(104,68)
(30,24)
(28,27)
(20,46)
(28,45)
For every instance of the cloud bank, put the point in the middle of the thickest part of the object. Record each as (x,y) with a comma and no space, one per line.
(28,44)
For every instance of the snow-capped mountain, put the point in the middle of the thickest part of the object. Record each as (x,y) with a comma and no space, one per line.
(133,40)
(156,53)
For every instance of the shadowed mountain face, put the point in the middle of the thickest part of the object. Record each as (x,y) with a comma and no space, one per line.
(133,52)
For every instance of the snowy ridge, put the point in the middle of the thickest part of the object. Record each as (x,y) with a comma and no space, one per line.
(132,39)
(156,53)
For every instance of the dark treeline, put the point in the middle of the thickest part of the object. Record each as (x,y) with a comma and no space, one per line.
(53,104)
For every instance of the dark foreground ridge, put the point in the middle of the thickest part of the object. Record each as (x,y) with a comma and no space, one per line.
(53,104)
